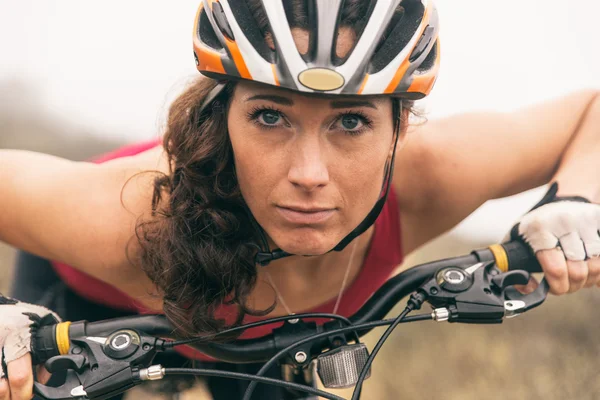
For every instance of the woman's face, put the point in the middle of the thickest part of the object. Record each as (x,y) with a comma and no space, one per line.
(310,168)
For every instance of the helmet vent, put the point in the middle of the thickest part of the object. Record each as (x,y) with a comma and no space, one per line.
(207,34)
(354,14)
(401,29)
(300,14)
(423,43)
(255,30)
(221,20)
(429,61)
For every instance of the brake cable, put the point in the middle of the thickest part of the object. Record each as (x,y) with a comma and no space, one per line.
(415,302)
(367,325)
(157,372)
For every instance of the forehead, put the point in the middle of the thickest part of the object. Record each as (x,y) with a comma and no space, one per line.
(244,90)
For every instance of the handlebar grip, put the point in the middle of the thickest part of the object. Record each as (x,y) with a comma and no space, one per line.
(520,256)
(44,345)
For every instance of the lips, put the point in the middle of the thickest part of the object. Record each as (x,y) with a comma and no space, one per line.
(308,209)
(305,215)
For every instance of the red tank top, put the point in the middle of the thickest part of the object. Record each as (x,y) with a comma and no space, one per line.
(383,256)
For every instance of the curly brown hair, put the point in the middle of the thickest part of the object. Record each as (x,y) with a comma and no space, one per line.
(199,247)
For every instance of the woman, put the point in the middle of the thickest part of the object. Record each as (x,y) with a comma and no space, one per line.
(274,157)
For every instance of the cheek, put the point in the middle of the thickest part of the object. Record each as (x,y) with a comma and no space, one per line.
(247,167)
(361,182)
(255,170)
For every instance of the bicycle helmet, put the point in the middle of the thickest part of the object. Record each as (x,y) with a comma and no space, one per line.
(396,53)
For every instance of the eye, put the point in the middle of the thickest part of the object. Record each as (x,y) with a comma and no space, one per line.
(266,117)
(353,123)
(269,117)
(350,121)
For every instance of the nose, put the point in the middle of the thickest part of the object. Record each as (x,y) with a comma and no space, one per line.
(308,168)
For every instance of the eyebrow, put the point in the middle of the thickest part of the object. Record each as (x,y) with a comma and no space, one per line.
(286,101)
(352,103)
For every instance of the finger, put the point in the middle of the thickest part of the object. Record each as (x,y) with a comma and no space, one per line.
(555,270)
(529,288)
(4,389)
(578,273)
(20,378)
(572,246)
(593,272)
(591,240)
(43,376)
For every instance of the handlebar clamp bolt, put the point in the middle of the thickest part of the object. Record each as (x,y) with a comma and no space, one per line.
(300,357)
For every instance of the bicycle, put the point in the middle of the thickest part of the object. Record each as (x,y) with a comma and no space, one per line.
(105,358)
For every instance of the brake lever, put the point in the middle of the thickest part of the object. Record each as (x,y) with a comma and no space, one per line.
(480,293)
(517,302)
(100,367)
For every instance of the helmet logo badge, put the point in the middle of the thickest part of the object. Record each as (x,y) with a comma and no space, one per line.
(321,79)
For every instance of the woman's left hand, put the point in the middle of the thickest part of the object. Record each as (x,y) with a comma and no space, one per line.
(565,236)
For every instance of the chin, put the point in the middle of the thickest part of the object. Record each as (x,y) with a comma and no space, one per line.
(306,245)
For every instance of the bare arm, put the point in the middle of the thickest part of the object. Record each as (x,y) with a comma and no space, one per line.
(452,166)
(82,214)
(579,169)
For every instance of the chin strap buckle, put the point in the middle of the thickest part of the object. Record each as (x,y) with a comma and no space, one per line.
(264,258)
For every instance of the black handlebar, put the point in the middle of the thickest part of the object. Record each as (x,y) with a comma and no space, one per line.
(520,256)
(104,358)
(515,255)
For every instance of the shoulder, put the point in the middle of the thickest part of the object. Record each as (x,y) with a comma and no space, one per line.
(128,150)
(136,158)
(134,175)
(414,168)
(414,182)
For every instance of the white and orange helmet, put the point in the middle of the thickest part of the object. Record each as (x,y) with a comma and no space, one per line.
(395,54)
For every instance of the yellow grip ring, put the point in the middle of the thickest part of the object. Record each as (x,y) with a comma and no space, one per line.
(62,337)
(500,256)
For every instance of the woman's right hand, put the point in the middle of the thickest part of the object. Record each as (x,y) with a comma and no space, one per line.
(18,321)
